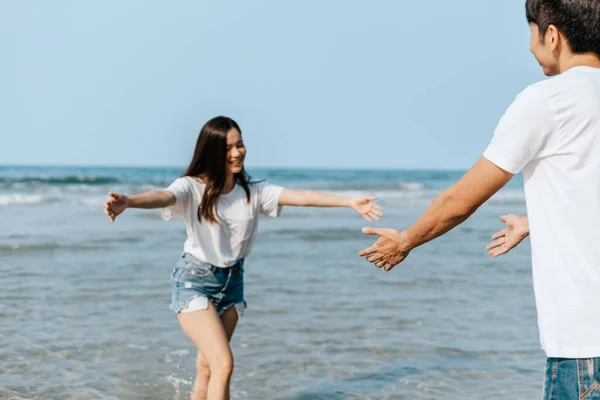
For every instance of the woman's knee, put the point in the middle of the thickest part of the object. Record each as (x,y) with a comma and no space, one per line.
(223,366)
(202,367)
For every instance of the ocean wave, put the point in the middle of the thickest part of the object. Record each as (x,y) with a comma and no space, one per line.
(43,247)
(423,197)
(399,194)
(405,195)
(89,245)
(62,180)
(20,199)
(95,202)
(371,186)
(508,197)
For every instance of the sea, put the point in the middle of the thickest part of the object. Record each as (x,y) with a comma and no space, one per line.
(84,304)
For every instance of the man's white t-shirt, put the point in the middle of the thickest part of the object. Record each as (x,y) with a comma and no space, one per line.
(552,133)
(223,243)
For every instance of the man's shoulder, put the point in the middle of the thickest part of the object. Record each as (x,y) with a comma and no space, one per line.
(553,85)
(536,91)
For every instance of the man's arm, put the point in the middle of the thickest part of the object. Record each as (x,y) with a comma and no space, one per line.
(448,210)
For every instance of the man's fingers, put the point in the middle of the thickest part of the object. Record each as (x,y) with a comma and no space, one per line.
(371,198)
(495,244)
(367,251)
(371,231)
(503,218)
(390,266)
(498,251)
(374,257)
(495,253)
(499,234)
(381,264)
(377,207)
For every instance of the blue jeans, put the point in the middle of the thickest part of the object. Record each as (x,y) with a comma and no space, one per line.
(572,379)
(192,278)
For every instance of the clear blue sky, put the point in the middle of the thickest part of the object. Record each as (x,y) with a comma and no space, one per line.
(352,84)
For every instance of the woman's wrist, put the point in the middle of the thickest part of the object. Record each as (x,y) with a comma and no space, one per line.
(348,202)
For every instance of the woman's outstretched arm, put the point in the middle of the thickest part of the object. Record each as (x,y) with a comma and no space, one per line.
(364,206)
(117,203)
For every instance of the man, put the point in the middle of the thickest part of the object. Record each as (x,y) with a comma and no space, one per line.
(552,133)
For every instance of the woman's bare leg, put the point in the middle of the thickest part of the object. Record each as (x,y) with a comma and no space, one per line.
(207,331)
(229,319)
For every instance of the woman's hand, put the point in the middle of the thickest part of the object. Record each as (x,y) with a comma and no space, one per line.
(115,205)
(366,207)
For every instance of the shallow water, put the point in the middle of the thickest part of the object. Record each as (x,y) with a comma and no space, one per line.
(84,304)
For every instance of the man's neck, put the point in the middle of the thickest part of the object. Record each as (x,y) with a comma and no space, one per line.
(580,60)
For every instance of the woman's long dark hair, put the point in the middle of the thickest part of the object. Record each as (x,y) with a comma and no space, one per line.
(210,164)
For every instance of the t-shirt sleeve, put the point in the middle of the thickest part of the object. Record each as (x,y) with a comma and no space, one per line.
(524,132)
(182,189)
(269,199)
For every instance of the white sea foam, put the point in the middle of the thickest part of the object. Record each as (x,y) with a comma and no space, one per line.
(17,199)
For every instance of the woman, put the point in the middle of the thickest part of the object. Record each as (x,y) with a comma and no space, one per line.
(221,208)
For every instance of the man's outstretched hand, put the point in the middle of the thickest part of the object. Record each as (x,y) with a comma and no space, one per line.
(517,229)
(390,249)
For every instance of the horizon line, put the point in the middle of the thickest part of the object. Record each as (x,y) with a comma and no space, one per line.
(312,168)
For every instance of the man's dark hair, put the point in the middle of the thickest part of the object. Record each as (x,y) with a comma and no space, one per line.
(577,20)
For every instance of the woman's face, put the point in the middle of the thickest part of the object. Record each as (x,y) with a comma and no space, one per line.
(236,152)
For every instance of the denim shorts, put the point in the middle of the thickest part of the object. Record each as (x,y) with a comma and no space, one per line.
(194,283)
(572,379)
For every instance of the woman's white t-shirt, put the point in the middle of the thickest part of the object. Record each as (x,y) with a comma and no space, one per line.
(223,243)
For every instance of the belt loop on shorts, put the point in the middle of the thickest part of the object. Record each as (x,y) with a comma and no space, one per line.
(228,279)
